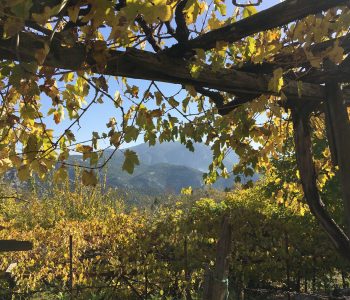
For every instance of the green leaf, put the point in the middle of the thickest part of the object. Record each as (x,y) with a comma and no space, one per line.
(251,46)
(61,174)
(131,159)
(131,134)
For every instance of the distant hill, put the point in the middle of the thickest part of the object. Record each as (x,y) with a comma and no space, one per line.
(166,167)
(177,154)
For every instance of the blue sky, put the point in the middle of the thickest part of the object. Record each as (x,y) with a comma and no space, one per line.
(97,116)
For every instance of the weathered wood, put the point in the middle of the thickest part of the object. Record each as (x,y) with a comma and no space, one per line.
(340,130)
(149,66)
(270,18)
(187,271)
(330,129)
(71,266)
(14,245)
(303,149)
(216,285)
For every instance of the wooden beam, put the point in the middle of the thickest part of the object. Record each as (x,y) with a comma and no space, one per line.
(14,245)
(278,15)
(140,64)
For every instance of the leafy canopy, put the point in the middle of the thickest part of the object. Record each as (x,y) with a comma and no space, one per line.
(237,78)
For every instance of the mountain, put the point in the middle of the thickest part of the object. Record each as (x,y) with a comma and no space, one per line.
(166,167)
(177,154)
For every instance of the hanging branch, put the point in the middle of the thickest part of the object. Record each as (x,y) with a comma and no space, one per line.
(169,28)
(182,33)
(303,149)
(218,99)
(149,33)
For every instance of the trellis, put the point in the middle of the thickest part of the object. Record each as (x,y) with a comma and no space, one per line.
(320,89)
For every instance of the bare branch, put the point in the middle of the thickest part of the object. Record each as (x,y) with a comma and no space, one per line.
(182,33)
(218,99)
(169,28)
(149,33)
(303,148)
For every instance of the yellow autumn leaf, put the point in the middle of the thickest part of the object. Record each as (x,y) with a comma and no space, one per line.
(249,11)
(193,9)
(165,13)
(5,164)
(315,61)
(187,191)
(221,47)
(89,178)
(23,173)
(60,174)
(39,168)
(83,148)
(115,139)
(68,77)
(276,82)
(159,98)
(214,22)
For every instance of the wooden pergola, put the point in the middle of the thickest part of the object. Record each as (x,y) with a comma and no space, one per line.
(321,89)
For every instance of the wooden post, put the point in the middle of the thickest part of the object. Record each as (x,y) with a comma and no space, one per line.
(216,285)
(338,130)
(187,271)
(308,176)
(313,273)
(305,285)
(71,265)
(286,245)
(343,278)
(146,284)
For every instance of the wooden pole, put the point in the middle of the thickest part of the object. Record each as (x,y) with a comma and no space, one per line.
(339,132)
(187,271)
(71,265)
(308,176)
(216,285)
(286,245)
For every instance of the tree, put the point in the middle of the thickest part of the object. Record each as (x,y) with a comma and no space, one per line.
(286,64)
